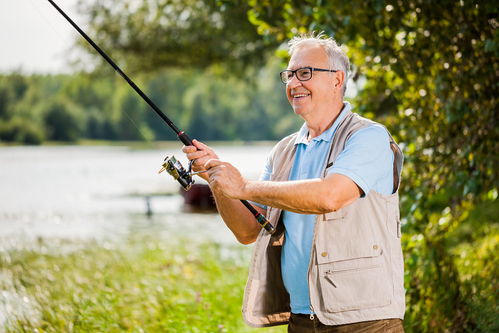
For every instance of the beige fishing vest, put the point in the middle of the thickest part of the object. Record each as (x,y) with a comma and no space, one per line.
(356,269)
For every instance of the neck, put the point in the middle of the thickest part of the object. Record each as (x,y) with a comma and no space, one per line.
(323,122)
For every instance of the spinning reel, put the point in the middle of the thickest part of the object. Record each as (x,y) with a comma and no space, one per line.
(171,165)
(177,171)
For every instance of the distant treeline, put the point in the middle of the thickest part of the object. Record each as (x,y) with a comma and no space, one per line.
(209,104)
(425,69)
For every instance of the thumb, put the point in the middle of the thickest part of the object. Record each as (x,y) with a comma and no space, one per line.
(199,145)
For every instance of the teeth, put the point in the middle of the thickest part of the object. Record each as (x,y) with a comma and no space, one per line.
(300,95)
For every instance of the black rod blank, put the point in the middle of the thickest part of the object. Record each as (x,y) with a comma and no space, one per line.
(180,134)
(123,75)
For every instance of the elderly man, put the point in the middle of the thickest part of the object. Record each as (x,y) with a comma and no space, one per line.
(331,189)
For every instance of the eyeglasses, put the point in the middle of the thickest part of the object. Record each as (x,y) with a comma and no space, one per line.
(302,74)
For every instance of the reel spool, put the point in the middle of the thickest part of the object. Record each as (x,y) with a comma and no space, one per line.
(177,171)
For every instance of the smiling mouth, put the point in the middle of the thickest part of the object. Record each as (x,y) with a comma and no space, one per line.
(296,96)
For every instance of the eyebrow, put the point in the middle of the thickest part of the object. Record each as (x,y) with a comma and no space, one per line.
(293,69)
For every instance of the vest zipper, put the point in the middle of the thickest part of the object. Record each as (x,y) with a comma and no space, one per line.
(318,220)
(312,315)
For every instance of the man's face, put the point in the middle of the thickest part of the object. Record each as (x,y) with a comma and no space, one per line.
(316,94)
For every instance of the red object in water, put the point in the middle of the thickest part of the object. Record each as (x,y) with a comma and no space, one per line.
(198,198)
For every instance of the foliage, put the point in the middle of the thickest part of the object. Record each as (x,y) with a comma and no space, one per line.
(427,70)
(70,107)
(61,121)
(431,76)
(143,285)
(148,35)
(21,130)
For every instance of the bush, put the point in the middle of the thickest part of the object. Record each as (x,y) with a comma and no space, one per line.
(62,121)
(21,130)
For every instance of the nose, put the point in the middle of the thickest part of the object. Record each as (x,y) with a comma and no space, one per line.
(294,82)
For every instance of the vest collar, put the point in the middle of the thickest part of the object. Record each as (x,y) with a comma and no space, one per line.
(327,135)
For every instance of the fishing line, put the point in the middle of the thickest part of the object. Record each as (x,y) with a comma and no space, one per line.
(49,23)
(62,39)
(136,126)
(46,20)
(171,165)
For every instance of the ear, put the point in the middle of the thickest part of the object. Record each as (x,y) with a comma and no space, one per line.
(339,79)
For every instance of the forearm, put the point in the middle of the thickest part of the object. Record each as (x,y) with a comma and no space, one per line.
(294,196)
(311,196)
(238,218)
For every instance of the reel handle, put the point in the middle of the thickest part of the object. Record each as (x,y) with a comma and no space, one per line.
(184,177)
(186,140)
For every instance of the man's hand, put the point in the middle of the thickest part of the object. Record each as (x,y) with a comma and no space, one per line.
(225,182)
(201,154)
(225,178)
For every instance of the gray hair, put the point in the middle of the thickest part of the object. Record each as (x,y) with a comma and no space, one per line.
(337,58)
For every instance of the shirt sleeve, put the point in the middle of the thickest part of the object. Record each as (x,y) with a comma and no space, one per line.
(367,160)
(267,171)
(264,176)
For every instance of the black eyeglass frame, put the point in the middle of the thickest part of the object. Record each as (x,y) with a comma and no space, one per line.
(293,73)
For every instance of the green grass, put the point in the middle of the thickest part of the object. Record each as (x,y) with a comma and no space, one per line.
(141,285)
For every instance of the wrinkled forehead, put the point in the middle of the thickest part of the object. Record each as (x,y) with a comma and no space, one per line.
(309,55)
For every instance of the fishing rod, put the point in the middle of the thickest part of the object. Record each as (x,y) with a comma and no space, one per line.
(171,165)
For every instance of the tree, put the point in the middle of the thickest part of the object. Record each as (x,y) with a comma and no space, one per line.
(149,35)
(431,75)
(12,88)
(62,120)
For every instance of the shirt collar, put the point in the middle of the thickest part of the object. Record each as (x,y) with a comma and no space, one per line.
(328,134)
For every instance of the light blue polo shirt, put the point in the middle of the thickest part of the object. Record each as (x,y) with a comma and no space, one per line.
(367,159)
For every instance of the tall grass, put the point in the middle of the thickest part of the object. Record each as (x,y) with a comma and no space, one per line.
(141,285)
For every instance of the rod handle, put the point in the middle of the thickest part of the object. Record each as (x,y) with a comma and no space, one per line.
(186,140)
(264,223)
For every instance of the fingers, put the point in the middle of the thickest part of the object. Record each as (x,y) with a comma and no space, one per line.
(198,150)
(224,178)
(196,155)
(211,163)
(193,152)
(199,145)
(215,175)
(215,168)
(188,149)
(200,154)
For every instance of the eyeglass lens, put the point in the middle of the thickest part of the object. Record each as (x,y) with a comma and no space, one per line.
(302,74)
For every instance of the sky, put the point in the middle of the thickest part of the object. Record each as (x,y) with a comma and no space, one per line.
(35,38)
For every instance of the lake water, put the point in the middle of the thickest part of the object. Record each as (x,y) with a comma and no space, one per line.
(52,194)
(99,192)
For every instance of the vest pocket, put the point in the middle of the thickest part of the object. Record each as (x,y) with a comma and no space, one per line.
(355,284)
(339,214)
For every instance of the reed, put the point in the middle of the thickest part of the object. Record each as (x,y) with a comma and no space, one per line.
(143,284)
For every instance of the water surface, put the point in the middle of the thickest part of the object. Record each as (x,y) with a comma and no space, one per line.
(100,192)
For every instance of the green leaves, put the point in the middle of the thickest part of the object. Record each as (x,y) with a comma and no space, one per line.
(430,72)
(176,33)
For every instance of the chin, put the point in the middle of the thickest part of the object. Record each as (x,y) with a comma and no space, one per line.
(299,109)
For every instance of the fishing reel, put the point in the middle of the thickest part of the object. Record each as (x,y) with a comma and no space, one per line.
(177,171)
(184,177)
(174,168)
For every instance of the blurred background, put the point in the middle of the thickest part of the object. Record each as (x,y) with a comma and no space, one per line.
(92,239)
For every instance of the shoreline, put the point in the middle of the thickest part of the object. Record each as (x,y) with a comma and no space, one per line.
(139,145)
